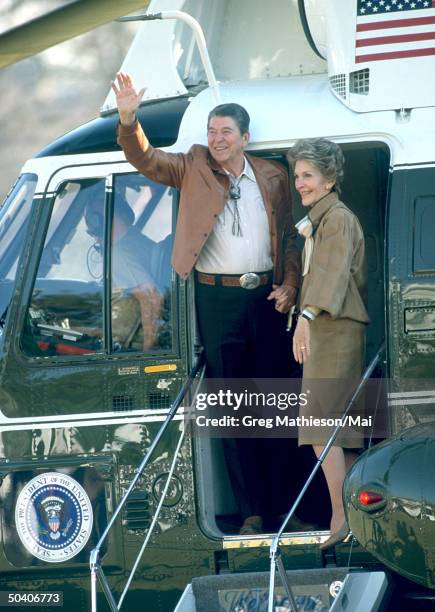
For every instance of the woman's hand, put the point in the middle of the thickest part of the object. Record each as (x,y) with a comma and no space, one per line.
(301,340)
(284,296)
(127,99)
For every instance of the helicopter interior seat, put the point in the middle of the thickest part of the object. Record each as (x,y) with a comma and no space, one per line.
(154,224)
(160,263)
(134,309)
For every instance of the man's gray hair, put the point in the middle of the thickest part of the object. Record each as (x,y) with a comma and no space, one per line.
(324,154)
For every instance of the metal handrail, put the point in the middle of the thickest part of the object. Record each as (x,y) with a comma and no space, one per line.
(95,567)
(154,521)
(198,33)
(275,555)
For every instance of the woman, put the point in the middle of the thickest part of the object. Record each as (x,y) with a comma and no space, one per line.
(330,333)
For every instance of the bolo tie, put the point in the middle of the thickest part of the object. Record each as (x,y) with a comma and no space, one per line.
(234,193)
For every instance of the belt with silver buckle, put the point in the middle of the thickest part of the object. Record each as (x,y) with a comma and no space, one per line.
(250,280)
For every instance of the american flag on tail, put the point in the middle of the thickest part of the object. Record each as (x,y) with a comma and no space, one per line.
(392,29)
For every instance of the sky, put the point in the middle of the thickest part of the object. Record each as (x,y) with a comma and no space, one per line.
(55,91)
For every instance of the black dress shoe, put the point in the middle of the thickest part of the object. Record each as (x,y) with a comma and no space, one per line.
(295,524)
(338,536)
(253,525)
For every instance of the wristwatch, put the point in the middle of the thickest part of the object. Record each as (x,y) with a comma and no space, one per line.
(307,314)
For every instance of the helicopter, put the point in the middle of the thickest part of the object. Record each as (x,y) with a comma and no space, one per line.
(96,464)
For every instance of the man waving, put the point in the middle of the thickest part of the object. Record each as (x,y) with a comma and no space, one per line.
(235,232)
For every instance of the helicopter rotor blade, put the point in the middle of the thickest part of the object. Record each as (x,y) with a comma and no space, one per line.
(60,25)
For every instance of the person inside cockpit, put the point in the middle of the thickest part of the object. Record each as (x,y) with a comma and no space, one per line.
(136,299)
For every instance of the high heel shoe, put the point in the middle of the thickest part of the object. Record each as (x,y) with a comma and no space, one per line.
(336,537)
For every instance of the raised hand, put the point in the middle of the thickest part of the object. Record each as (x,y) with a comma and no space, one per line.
(127,99)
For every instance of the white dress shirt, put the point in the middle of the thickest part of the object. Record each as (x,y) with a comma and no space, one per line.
(224,253)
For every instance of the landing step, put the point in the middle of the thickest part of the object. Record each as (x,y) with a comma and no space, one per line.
(323,590)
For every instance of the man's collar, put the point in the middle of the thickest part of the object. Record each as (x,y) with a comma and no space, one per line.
(248,171)
(256,165)
(321,207)
(247,168)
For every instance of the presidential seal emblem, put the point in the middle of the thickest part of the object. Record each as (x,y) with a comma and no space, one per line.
(53,517)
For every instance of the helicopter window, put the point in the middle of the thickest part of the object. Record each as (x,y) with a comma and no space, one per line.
(14,217)
(65,316)
(141,268)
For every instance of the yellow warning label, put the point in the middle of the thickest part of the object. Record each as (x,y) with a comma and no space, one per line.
(163,367)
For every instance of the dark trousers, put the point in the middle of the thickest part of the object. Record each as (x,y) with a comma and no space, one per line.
(244,337)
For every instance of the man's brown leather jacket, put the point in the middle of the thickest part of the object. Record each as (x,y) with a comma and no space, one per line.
(203,193)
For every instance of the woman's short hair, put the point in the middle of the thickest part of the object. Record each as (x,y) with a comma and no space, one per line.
(324,154)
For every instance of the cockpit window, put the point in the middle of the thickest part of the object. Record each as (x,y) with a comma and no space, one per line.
(141,268)
(65,316)
(14,217)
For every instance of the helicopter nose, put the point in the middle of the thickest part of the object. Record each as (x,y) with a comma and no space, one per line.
(390,504)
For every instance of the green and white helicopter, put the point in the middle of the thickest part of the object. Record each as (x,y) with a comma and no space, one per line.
(107,502)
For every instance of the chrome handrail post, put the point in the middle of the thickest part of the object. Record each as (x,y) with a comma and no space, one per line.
(277,564)
(275,558)
(95,567)
(273,551)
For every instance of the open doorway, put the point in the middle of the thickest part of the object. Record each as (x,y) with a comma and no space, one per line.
(364,191)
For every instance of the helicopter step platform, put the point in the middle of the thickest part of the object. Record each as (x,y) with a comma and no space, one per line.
(326,590)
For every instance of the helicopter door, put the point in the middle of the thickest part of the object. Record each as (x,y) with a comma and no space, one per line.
(412,295)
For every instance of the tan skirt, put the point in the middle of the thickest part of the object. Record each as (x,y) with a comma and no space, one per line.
(331,374)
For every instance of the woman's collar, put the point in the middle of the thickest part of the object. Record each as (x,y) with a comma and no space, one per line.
(322,206)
